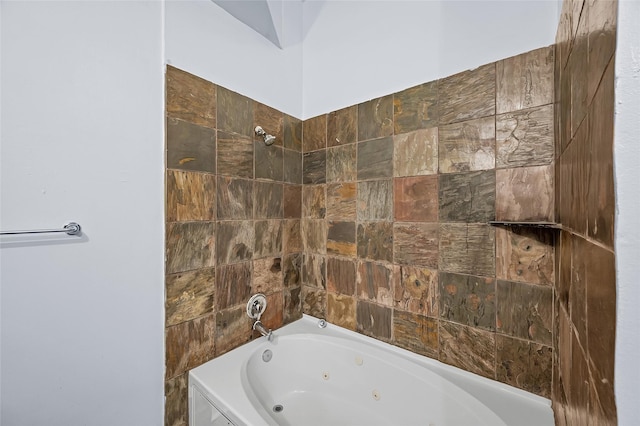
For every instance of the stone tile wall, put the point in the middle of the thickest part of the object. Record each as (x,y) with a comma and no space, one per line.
(585,302)
(233,208)
(396,199)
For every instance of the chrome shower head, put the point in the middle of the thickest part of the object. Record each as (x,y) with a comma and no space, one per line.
(268,139)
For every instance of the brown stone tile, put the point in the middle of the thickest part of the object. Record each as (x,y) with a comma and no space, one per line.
(341,163)
(190,196)
(467,197)
(577,386)
(190,246)
(341,310)
(292,270)
(314,236)
(579,153)
(416,108)
(235,112)
(292,172)
(563,105)
(188,345)
(577,302)
(375,241)
(269,161)
(416,199)
(416,333)
(375,159)
(601,189)
(525,365)
(292,305)
(292,208)
(190,147)
(563,284)
(525,311)
(375,200)
(341,201)
(467,95)
(292,237)
(190,98)
(314,301)
(268,200)
(271,120)
(602,402)
(375,118)
(233,285)
(176,407)
(273,317)
(314,132)
(525,138)
(525,194)
(235,241)
(375,283)
(268,238)
(416,290)
(267,276)
(234,198)
(314,201)
(416,153)
(292,133)
(416,244)
(342,126)
(468,348)
(341,238)
(467,146)
(525,255)
(576,70)
(525,81)
(314,165)
(314,271)
(341,276)
(467,249)
(235,155)
(602,27)
(189,295)
(373,320)
(468,300)
(233,329)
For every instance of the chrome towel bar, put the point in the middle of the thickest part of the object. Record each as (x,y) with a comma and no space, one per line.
(70,228)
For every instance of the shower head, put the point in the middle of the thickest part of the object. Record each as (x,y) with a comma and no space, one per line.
(268,139)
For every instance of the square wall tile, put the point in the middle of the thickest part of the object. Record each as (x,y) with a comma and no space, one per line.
(313,201)
(291,236)
(176,407)
(525,365)
(375,118)
(188,345)
(292,128)
(235,112)
(314,165)
(467,249)
(373,320)
(468,348)
(416,333)
(292,305)
(190,147)
(525,81)
(190,196)
(271,120)
(341,238)
(416,199)
(292,271)
(235,155)
(233,285)
(190,245)
(342,126)
(375,159)
(525,138)
(341,163)
(292,202)
(341,310)
(235,198)
(375,282)
(314,301)
(375,241)
(233,329)
(416,153)
(467,197)
(234,242)
(602,17)
(267,277)
(292,172)
(416,290)
(467,146)
(468,300)
(525,311)
(314,131)
(467,95)
(525,194)
(269,161)
(189,295)
(375,200)
(341,276)
(314,271)
(268,200)
(314,235)
(416,244)
(190,98)
(416,108)
(525,255)
(268,238)
(341,201)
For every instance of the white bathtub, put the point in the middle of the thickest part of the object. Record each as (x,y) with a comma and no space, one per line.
(332,376)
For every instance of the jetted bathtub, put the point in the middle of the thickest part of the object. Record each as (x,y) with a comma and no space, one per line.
(329,376)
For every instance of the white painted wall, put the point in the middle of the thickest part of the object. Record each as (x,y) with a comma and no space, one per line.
(627,176)
(358,50)
(82,319)
(205,40)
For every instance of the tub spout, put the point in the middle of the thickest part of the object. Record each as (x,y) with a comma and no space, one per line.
(263,330)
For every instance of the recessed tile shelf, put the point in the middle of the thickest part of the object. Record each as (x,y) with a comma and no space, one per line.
(541,224)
